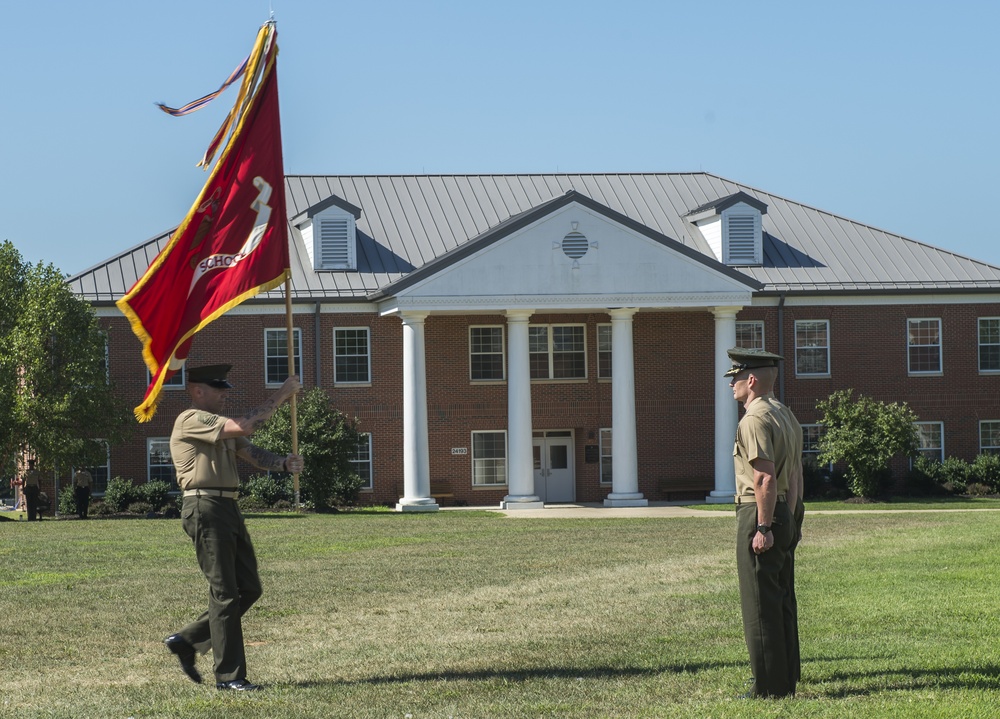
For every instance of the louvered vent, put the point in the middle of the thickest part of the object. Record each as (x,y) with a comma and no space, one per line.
(742,240)
(335,239)
(575,245)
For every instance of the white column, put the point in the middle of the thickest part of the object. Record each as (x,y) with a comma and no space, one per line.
(624,455)
(416,455)
(726,408)
(520,466)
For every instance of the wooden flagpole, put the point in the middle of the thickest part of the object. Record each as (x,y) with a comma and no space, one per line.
(291,370)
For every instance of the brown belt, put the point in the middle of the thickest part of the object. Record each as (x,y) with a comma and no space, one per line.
(751,499)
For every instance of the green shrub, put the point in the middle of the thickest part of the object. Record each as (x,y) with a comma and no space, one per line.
(975,489)
(67,501)
(120,494)
(156,493)
(251,504)
(955,474)
(924,478)
(142,508)
(986,470)
(263,490)
(100,509)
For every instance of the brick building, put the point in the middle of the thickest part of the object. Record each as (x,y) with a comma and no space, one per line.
(522,339)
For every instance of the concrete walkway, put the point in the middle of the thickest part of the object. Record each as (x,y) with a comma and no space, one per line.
(664,509)
(599,511)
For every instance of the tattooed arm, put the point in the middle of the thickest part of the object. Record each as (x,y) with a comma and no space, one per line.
(262,459)
(250,422)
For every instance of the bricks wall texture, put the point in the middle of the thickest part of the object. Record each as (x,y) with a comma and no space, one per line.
(675,382)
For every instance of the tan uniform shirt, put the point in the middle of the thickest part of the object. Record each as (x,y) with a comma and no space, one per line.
(32,478)
(765,432)
(82,478)
(792,427)
(202,460)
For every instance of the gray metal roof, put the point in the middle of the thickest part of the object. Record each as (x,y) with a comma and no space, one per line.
(408,221)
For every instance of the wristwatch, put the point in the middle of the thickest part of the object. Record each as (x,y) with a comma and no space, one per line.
(763,528)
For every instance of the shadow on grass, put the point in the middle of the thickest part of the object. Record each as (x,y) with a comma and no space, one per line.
(846,684)
(904,679)
(530,674)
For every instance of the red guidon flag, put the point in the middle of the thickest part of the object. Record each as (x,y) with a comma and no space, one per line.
(232,244)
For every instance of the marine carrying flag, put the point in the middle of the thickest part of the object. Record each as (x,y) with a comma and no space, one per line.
(233,243)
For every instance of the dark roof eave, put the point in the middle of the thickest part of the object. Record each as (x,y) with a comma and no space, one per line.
(859,291)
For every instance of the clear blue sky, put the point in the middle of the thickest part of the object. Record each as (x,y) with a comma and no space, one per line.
(885,112)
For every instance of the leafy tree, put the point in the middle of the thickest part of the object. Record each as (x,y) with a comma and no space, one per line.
(327,442)
(55,395)
(865,435)
(12,287)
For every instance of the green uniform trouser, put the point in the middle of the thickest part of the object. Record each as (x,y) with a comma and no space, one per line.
(770,625)
(227,560)
(31,501)
(798,514)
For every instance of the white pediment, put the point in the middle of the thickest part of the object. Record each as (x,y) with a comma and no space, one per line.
(577,258)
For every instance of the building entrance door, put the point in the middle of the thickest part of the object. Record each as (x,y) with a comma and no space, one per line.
(555,477)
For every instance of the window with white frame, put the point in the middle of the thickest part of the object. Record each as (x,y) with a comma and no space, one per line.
(923,344)
(361,462)
(352,355)
(606,454)
(100,473)
(159,464)
(489,458)
(989,436)
(604,354)
(811,435)
(276,354)
(486,353)
(178,380)
(557,351)
(930,437)
(812,348)
(750,335)
(989,344)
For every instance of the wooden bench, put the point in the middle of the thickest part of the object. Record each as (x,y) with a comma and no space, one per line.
(439,491)
(670,487)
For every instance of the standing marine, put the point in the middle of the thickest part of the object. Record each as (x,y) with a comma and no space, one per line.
(768,463)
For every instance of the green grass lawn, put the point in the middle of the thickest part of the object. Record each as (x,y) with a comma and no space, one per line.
(952,503)
(469,614)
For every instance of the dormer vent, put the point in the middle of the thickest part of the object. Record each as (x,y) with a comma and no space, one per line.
(741,233)
(329,231)
(732,227)
(335,243)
